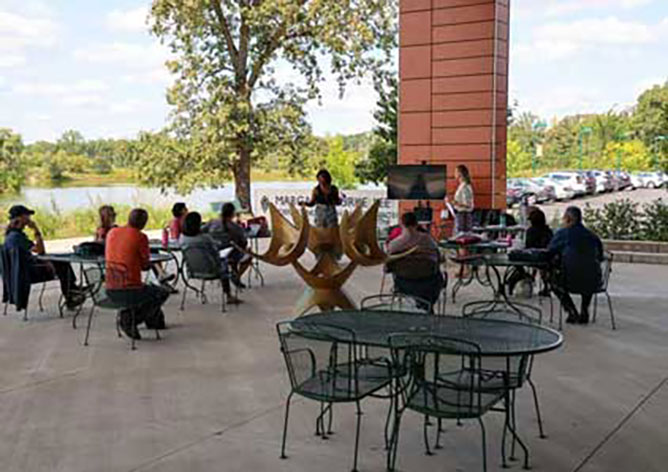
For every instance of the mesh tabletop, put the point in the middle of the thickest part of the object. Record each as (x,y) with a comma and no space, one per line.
(479,246)
(495,337)
(156,245)
(503,260)
(73,258)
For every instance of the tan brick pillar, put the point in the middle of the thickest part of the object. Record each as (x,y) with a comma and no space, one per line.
(454,90)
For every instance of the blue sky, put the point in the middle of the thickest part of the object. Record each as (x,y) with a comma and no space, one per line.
(90,65)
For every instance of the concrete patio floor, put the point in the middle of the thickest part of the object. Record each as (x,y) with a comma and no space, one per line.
(209,396)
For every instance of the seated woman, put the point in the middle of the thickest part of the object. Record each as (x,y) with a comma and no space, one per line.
(228,233)
(538,236)
(191,235)
(179,212)
(107,223)
(418,274)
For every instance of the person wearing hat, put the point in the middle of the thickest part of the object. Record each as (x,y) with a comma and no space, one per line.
(40,271)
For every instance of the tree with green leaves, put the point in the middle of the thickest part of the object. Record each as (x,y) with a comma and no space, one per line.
(650,121)
(12,171)
(340,163)
(384,151)
(229,98)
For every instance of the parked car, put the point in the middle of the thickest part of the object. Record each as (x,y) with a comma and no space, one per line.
(561,190)
(617,180)
(543,192)
(638,180)
(652,179)
(603,181)
(513,195)
(519,190)
(589,181)
(572,179)
(624,180)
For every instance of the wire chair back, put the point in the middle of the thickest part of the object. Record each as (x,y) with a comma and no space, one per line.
(95,280)
(396,302)
(606,270)
(322,361)
(445,374)
(202,262)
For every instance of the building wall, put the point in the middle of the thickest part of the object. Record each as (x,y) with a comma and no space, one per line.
(454,90)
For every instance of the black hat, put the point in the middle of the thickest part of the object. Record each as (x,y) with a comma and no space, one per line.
(19,210)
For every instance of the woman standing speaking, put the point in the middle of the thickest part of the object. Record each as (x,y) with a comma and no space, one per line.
(325,197)
(463,202)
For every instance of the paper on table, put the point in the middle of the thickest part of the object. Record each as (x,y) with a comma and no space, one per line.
(450,208)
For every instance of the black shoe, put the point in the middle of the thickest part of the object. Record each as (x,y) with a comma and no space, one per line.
(237,281)
(584,319)
(165,279)
(158,322)
(75,300)
(232,300)
(170,288)
(130,331)
(573,319)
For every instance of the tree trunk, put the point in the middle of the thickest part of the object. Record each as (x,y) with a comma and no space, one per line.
(242,177)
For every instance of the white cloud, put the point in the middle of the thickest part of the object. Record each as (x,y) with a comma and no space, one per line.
(125,106)
(555,8)
(18,32)
(561,40)
(155,76)
(12,60)
(609,30)
(84,99)
(131,21)
(563,100)
(53,89)
(127,54)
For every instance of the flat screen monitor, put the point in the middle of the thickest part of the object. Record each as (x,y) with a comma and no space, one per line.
(419,182)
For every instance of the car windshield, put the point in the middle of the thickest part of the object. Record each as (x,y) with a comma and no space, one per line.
(560,177)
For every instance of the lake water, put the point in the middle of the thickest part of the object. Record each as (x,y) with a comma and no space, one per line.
(71,198)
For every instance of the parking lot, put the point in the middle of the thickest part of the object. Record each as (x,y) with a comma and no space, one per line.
(644,195)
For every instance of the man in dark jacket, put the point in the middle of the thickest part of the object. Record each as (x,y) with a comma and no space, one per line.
(37,271)
(580,253)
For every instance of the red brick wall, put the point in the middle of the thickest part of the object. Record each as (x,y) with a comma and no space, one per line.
(454,90)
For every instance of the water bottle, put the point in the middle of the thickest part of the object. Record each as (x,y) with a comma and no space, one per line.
(165,238)
(502,220)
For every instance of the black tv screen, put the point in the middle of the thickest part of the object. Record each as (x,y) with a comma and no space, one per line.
(420,182)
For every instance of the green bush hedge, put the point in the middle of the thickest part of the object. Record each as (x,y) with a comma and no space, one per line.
(627,220)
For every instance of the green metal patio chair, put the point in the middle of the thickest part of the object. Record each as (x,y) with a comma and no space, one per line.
(323,366)
(514,371)
(201,263)
(396,302)
(95,278)
(606,270)
(444,381)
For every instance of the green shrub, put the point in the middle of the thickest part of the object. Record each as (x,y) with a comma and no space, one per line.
(616,220)
(625,220)
(654,225)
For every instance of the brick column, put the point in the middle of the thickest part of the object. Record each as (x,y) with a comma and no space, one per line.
(453,90)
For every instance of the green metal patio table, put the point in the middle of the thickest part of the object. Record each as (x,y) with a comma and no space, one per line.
(496,338)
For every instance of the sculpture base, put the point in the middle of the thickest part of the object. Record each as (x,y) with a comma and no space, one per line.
(324,299)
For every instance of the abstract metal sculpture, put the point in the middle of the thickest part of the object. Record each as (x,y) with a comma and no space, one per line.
(355,237)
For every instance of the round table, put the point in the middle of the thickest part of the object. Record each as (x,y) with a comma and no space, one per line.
(72,258)
(494,337)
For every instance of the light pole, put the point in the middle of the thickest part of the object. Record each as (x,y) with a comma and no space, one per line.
(535,127)
(583,130)
(656,140)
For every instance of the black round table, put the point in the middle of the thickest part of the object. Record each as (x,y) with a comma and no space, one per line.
(72,258)
(494,337)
